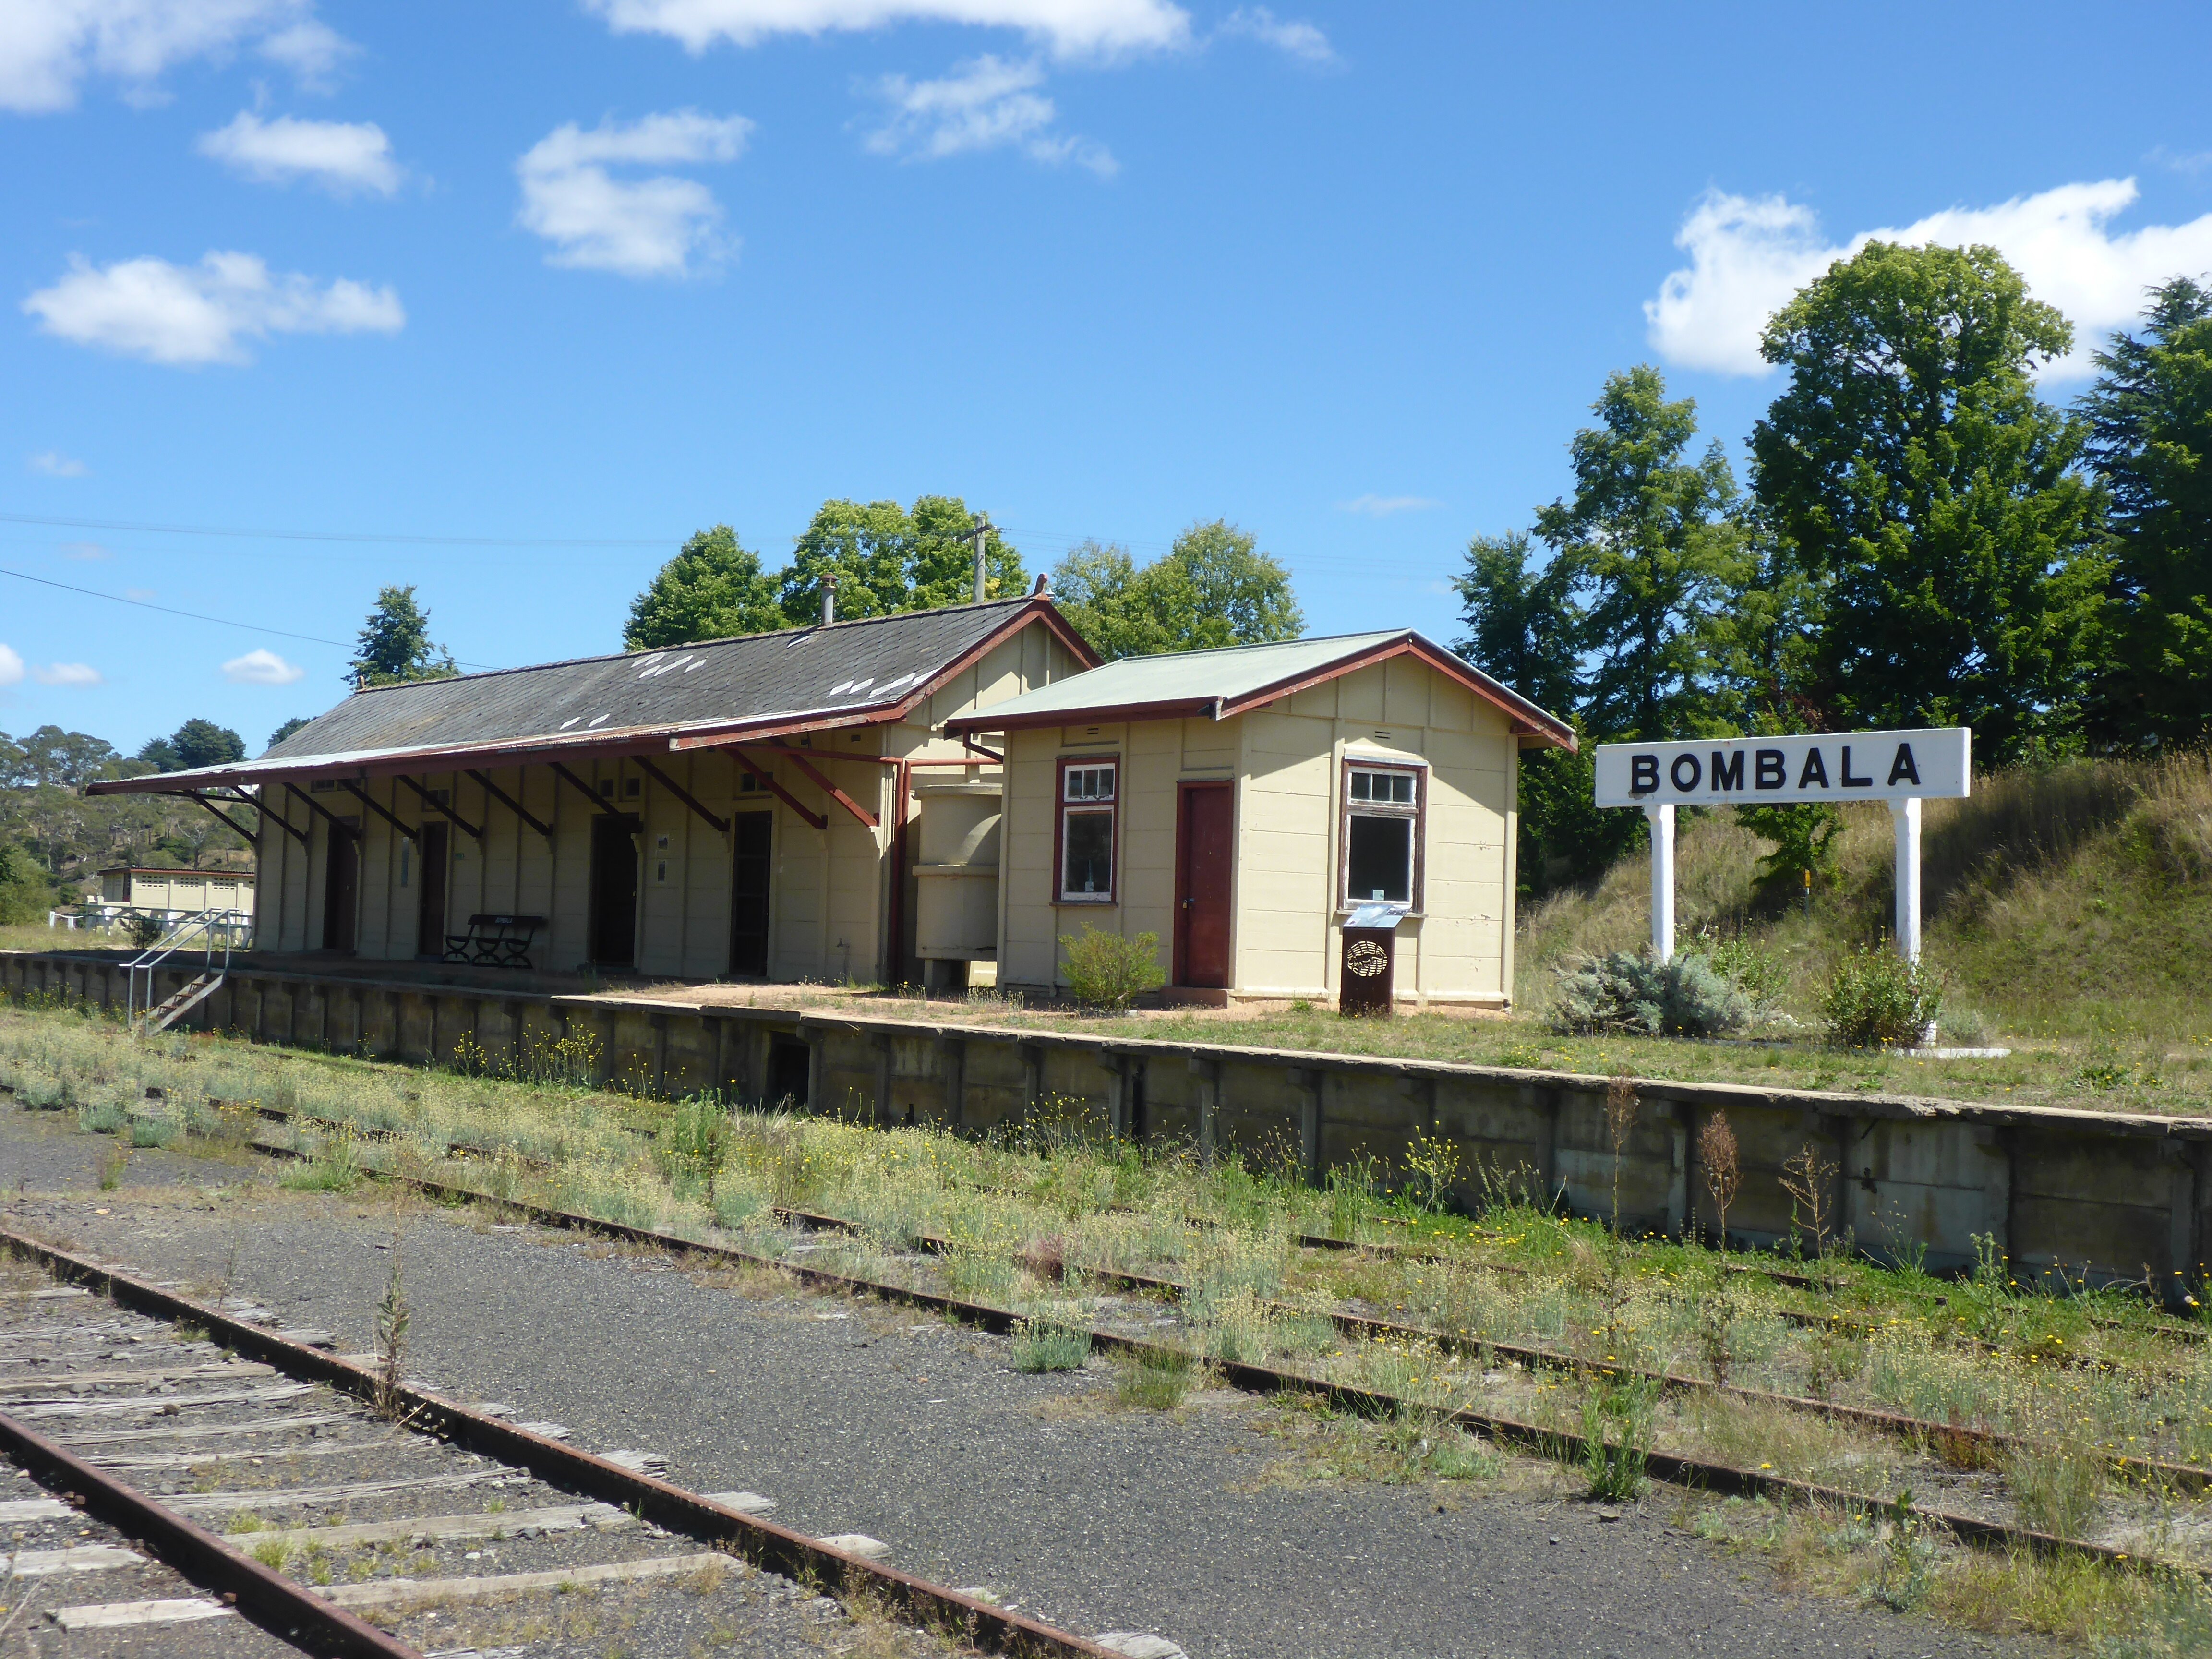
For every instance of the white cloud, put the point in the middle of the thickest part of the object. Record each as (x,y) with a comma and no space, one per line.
(1748,255)
(12,667)
(638,228)
(86,551)
(986,103)
(1381,506)
(47,48)
(191,314)
(1069,28)
(342,157)
(262,666)
(311,49)
(55,465)
(67,673)
(1301,40)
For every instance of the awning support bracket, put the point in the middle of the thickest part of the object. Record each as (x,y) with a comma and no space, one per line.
(808,813)
(721,824)
(585,790)
(437,805)
(511,805)
(830,789)
(409,830)
(234,824)
(339,826)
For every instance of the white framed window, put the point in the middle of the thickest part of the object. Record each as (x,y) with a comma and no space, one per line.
(1384,831)
(1089,829)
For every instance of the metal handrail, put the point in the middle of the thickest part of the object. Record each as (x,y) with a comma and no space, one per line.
(207,924)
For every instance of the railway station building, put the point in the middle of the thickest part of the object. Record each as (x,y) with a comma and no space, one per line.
(1241,804)
(900,797)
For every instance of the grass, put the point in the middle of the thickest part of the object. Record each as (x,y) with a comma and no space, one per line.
(1026,1220)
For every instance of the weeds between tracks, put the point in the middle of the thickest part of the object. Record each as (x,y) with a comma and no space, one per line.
(1024,1220)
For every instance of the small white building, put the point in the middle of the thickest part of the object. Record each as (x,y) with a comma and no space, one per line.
(175,893)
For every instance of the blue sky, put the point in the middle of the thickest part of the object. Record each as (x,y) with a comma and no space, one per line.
(559,281)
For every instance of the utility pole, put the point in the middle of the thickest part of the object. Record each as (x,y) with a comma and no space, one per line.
(980,535)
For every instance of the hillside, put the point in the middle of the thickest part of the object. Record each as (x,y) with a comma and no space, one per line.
(2072,903)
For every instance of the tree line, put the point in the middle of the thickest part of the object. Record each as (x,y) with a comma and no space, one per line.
(1923,539)
(1213,587)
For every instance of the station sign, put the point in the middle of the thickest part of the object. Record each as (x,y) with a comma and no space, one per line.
(1928,764)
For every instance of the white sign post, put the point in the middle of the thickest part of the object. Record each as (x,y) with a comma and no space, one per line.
(1900,767)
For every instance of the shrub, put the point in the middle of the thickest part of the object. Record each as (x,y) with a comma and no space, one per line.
(1154,1381)
(1627,992)
(1108,971)
(1876,998)
(1044,1344)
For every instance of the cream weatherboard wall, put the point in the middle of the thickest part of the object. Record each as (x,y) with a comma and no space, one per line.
(1284,761)
(829,911)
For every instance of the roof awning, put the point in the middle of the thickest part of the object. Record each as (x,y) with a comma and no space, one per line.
(453,758)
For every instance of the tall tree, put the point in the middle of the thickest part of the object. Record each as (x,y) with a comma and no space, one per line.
(1522,625)
(1650,544)
(1213,588)
(1931,500)
(196,743)
(2150,422)
(395,643)
(888,558)
(713,588)
(289,728)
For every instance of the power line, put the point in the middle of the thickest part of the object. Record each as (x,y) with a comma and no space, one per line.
(328,535)
(195,616)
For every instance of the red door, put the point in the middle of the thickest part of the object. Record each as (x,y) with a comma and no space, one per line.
(1203,841)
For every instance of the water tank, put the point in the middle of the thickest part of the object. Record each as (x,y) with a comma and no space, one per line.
(956,872)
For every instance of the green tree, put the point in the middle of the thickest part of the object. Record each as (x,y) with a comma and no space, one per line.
(713,588)
(289,728)
(1213,588)
(1522,625)
(395,644)
(1930,500)
(196,743)
(2150,422)
(888,558)
(1651,550)
(26,893)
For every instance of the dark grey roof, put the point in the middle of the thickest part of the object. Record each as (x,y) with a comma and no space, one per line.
(847,673)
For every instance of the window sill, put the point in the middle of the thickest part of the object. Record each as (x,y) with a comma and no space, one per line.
(1100,902)
(1344,910)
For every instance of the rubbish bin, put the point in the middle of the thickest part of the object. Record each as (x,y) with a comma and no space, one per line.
(1370,938)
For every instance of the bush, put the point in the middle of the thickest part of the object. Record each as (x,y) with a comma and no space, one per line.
(1876,998)
(1108,971)
(1627,992)
(1044,1344)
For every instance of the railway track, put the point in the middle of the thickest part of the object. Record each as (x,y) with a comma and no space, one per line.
(190,1481)
(1543,1439)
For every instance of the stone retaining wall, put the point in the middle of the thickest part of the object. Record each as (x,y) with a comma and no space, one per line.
(2114,1195)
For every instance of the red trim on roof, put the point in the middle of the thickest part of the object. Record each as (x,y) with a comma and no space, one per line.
(1529,720)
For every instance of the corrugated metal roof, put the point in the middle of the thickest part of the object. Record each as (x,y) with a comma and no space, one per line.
(1180,677)
(1225,682)
(846,672)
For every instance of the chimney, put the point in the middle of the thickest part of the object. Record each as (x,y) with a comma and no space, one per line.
(829,598)
(1043,588)
(980,535)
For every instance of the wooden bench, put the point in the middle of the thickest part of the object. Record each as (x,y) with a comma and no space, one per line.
(495,941)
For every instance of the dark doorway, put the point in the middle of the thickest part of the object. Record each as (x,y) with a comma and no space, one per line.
(430,907)
(789,1064)
(751,834)
(1204,840)
(614,889)
(341,883)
